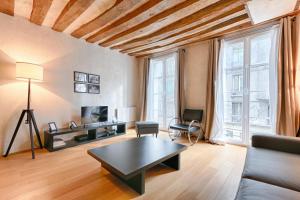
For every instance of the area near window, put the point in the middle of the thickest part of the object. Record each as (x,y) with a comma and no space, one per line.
(162,93)
(248,86)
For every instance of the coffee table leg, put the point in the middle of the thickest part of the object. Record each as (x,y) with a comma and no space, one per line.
(137,182)
(173,162)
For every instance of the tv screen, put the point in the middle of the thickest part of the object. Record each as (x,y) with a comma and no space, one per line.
(92,114)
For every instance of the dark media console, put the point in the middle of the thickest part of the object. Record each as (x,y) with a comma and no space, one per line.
(91,132)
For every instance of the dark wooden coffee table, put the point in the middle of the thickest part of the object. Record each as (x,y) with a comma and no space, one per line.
(130,159)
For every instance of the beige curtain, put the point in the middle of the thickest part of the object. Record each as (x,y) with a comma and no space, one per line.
(287,110)
(181,93)
(144,86)
(210,87)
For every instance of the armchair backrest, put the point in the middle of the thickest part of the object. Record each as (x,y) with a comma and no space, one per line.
(190,115)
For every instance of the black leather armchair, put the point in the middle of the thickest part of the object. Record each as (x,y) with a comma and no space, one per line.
(190,124)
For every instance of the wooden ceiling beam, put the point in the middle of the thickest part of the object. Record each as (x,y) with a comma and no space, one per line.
(120,9)
(178,46)
(70,13)
(212,32)
(134,18)
(39,11)
(162,19)
(7,7)
(199,18)
(232,18)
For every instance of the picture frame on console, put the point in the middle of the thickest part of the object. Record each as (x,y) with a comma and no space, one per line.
(52,126)
(73,125)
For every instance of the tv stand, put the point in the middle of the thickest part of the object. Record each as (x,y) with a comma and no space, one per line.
(91,131)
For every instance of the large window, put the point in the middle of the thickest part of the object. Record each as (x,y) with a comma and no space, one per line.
(248,86)
(162,93)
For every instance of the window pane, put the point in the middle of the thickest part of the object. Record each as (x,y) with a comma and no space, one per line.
(233,90)
(170,89)
(259,100)
(158,69)
(259,96)
(157,85)
(235,55)
(170,65)
(260,49)
(162,91)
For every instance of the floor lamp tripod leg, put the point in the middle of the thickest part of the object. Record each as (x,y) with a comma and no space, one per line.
(31,136)
(36,129)
(15,133)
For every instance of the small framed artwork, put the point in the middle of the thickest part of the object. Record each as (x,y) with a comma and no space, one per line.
(52,126)
(95,79)
(73,125)
(80,88)
(80,77)
(94,89)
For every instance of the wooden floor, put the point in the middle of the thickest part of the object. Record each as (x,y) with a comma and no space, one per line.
(207,172)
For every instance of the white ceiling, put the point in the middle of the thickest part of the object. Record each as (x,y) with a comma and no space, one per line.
(263,10)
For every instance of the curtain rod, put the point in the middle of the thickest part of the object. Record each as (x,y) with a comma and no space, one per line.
(164,53)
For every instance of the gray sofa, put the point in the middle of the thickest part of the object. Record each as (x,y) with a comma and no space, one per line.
(272,169)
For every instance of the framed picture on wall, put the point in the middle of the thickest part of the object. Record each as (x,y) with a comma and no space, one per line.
(95,79)
(80,77)
(80,88)
(94,89)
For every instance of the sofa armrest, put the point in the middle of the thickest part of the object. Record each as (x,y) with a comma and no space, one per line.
(277,143)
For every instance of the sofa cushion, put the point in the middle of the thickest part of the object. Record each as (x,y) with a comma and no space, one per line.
(273,167)
(255,190)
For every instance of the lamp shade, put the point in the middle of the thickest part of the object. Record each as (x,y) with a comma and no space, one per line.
(29,71)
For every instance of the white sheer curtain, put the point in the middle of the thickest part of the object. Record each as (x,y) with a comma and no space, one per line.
(218,129)
(273,88)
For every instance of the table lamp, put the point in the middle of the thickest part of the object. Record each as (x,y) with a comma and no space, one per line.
(29,72)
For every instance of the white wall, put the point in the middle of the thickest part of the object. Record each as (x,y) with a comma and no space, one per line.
(54,99)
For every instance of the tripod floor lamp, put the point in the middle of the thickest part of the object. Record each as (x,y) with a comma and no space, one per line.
(29,72)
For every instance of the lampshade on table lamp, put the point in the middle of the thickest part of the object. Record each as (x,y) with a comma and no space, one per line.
(29,72)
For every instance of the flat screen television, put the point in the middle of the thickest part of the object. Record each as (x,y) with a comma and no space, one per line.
(92,114)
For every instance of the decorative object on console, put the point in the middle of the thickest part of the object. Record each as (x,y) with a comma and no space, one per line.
(115,117)
(29,72)
(80,77)
(73,125)
(95,79)
(80,138)
(52,126)
(80,88)
(58,143)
